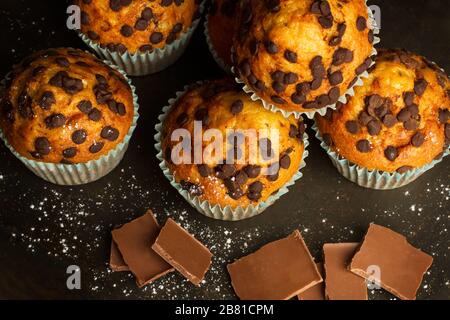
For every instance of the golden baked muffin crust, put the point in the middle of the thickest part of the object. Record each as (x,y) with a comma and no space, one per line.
(222,105)
(302,55)
(398,120)
(64,105)
(136,25)
(221,27)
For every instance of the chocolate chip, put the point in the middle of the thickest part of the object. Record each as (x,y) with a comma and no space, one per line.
(364,118)
(121,110)
(341,29)
(404,169)
(327,139)
(408,98)
(404,115)
(241,177)
(293,131)
(252,171)
(447,131)
(315,7)
(156,37)
(42,146)
(62,62)
(202,115)
(303,88)
(381,111)
(84,106)
(166,3)
(278,87)
(55,121)
(271,47)
(96,147)
(290,56)
(234,191)
(109,133)
(411,124)
(141,24)
(147,14)
(352,126)
(389,120)
(444,115)
(361,23)
(256,187)
(298,99)
(273,168)
(285,161)
(335,41)
(322,100)
(420,86)
(47,100)
(79,136)
(225,171)
(335,78)
(237,107)
(204,170)
(38,70)
(342,55)
(290,78)
(418,139)
(24,105)
(316,83)
(69,152)
(363,146)
(413,109)
(391,153)
(326,22)
(334,95)
(374,127)
(278,99)
(115,5)
(311,105)
(95,115)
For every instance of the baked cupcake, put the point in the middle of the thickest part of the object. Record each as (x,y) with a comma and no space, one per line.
(67,115)
(220,27)
(261,152)
(395,127)
(140,36)
(302,56)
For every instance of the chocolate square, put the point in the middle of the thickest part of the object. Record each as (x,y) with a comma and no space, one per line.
(278,271)
(134,241)
(401,266)
(340,283)
(181,250)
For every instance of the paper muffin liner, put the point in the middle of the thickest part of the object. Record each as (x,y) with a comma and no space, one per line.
(140,64)
(81,173)
(213,51)
(373,179)
(212,210)
(372,25)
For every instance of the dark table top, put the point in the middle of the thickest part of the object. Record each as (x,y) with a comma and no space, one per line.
(45,228)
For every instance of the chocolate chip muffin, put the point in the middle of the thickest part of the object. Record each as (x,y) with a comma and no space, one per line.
(220,28)
(302,56)
(136,25)
(398,120)
(65,106)
(260,164)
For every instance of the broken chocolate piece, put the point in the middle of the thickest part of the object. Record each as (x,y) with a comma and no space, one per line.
(340,283)
(278,271)
(401,266)
(181,250)
(318,291)
(116,262)
(134,241)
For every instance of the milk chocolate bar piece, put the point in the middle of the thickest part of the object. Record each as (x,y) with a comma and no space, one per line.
(116,262)
(400,266)
(316,292)
(134,241)
(340,283)
(278,271)
(182,251)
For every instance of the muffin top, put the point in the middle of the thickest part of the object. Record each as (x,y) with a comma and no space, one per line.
(302,55)
(65,106)
(398,120)
(136,25)
(222,26)
(260,154)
